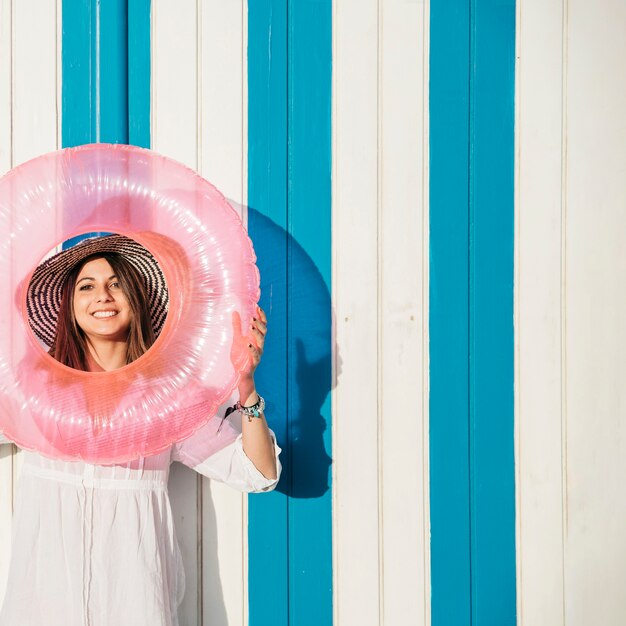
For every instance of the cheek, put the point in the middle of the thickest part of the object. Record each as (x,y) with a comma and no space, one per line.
(126,304)
(76,306)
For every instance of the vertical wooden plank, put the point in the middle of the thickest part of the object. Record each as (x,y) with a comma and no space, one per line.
(222,96)
(267,224)
(595,301)
(7,450)
(491,340)
(183,487)
(6,84)
(222,554)
(471,299)
(403,356)
(538,314)
(174,132)
(175,80)
(221,159)
(309,336)
(112,71)
(34,80)
(355,202)
(197,101)
(139,73)
(29,93)
(448,314)
(79,85)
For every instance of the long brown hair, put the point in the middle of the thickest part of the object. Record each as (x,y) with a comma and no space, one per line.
(70,345)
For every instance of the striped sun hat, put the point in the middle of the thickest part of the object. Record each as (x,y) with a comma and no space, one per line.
(43,299)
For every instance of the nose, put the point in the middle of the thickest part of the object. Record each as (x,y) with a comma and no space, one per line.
(103,294)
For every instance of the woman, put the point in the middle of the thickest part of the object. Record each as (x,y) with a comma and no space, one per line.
(95,545)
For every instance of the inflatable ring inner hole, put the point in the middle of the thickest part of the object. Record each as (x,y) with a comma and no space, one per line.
(137,269)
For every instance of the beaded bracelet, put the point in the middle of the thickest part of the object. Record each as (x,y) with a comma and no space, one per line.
(256,410)
(251,411)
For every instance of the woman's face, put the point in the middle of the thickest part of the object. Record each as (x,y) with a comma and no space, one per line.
(101,308)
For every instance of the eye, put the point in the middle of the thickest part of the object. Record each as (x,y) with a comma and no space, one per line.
(85,287)
(114,285)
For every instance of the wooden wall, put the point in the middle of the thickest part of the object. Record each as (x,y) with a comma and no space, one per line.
(569,268)
(570,303)
(30,98)
(380,296)
(198,106)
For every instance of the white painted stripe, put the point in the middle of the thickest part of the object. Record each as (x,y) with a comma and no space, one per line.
(6,87)
(199,109)
(538,321)
(595,305)
(403,292)
(222,108)
(355,481)
(570,305)
(380,296)
(30,85)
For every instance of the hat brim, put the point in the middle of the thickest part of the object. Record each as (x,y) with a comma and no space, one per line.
(45,290)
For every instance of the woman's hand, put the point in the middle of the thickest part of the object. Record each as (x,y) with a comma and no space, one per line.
(246,355)
(247,350)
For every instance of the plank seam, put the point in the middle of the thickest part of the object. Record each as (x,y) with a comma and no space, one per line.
(563,296)
(380,326)
(517,319)
(425,311)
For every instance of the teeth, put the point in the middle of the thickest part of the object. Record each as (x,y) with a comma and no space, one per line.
(104,313)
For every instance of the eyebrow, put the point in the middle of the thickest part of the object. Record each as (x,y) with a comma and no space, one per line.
(91,278)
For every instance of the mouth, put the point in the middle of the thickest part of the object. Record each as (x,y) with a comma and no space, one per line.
(104,314)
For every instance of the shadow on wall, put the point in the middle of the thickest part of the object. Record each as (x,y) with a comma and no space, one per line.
(294,377)
(296,371)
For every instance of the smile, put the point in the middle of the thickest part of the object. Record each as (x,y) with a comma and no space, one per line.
(104,314)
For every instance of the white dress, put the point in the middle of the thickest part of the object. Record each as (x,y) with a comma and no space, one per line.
(95,545)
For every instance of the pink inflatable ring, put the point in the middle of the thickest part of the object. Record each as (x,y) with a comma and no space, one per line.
(208,264)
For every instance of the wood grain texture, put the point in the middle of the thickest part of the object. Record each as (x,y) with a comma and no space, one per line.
(539,410)
(30,81)
(570,336)
(403,309)
(356,399)
(198,100)
(380,229)
(595,304)
(222,160)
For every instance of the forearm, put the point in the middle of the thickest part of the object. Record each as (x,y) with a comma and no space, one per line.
(257,441)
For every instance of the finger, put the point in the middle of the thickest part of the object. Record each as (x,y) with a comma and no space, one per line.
(259,326)
(255,354)
(261,315)
(258,336)
(236,320)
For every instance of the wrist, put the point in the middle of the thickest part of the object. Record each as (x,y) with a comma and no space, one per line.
(247,391)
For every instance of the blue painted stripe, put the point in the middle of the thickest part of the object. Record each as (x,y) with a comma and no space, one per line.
(449,327)
(289,155)
(139,73)
(105,93)
(112,71)
(491,312)
(78,57)
(268,527)
(472,61)
(105,97)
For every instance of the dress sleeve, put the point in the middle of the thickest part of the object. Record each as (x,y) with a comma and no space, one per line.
(230,464)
